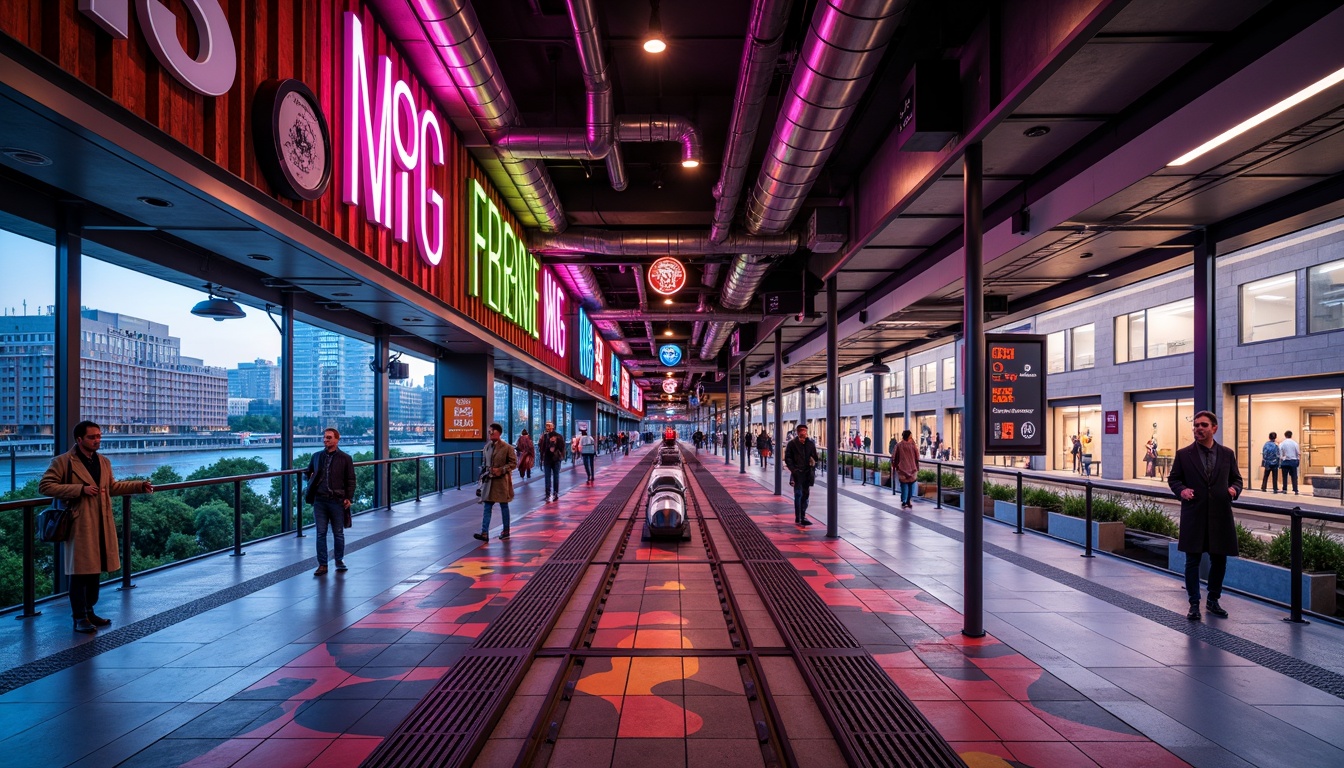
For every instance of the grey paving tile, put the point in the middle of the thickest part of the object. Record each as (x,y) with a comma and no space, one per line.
(1257,685)
(1324,722)
(79,683)
(142,737)
(169,684)
(98,723)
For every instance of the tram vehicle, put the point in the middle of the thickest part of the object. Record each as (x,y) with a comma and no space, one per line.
(665,513)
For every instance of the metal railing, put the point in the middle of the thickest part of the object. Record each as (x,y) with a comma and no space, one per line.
(465,470)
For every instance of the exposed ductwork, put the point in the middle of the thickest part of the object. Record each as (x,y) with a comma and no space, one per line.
(583,284)
(656,243)
(739,286)
(844,45)
(643,293)
(651,128)
(765,38)
(577,144)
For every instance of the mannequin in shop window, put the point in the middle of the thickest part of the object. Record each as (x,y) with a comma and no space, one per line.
(1150,456)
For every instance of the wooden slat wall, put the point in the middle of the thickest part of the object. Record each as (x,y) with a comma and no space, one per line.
(300,39)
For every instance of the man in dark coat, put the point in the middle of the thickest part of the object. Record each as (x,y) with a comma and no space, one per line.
(1204,475)
(801,458)
(552,450)
(331,490)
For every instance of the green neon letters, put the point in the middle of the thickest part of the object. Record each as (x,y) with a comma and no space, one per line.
(499,267)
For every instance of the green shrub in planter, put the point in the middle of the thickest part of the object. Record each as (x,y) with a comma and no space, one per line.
(1149,516)
(999,492)
(1073,505)
(1044,498)
(1249,546)
(884,466)
(926,476)
(1320,550)
(951,482)
(1105,509)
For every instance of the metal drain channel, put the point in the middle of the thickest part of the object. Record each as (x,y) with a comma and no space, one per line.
(874,723)
(450,725)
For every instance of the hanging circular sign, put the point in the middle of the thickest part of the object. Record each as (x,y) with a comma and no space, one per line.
(695,401)
(667,276)
(669,354)
(669,385)
(291,137)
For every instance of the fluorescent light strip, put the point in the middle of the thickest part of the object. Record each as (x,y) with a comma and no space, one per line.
(1283,106)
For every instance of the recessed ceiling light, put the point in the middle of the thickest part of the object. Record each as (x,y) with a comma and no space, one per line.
(342,294)
(1036,131)
(1085,255)
(25,156)
(411,320)
(690,163)
(259,257)
(667,301)
(1333,78)
(1099,275)
(156,202)
(668,332)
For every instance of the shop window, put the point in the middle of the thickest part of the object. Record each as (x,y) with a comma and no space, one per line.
(1269,308)
(501,409)
(893,385)
(847,394)
(1082,347)
(1325,297)
(866,389)
(1156,332)
(1054,353)
(949,373)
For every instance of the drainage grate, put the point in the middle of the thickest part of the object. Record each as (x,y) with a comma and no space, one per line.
(884,727)
(450,724)
(807,619)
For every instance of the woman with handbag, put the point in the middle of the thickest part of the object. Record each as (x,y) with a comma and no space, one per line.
(527,455)
(83,479)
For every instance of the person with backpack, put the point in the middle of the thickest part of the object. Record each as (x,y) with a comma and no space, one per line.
(587,450)
(1269,461)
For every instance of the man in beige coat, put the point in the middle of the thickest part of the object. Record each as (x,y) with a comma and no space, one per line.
(83,478)
(499,461)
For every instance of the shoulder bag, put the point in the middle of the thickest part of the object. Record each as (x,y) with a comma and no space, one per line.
(54,523)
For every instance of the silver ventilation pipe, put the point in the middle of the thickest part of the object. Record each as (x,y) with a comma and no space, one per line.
(656,243)
(765,38)
(739,287)
(844,45)
(583,284)
(701,306)
(643,293)
(601,127)
(651,128)
(452,27)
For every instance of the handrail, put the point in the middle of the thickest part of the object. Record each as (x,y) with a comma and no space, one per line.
(30,505)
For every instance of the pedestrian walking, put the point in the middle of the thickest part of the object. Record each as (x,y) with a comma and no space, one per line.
(552,457)
(588,451)
(1204,475)
(331,491)
(905,463)
(801,459)
(82,477)
(527,455)
(498,461)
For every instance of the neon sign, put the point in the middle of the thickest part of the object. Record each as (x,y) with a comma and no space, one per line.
(215,67)
(553,314)
(390,146)
(669,386)
(599,358)
(625,388)
(586,349)
(614,391)
(669,354)
(667,276)
(499,268)
(636,397)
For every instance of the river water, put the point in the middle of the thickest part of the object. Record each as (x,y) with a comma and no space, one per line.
(185,462)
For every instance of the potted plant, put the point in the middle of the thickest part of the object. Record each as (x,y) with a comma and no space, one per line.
(1108,522)
(1322,557)
(926,483)
(952,485)
(1000,501)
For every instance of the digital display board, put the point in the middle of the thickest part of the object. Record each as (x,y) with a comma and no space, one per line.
(463,418)
(625,388)
(1015,395)
(614,389)
(636,398)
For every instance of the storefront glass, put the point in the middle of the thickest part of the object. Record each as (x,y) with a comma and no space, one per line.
(1161,427)
(518,419)
(1313,417)
(926,431)
(501,409)
(952,442)
(895,425)
(1083,421)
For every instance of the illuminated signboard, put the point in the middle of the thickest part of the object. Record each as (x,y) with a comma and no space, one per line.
(585,336)
(1015,395)
(614,391)
(499,268)
(669,385)
(390,145)
(553,331)
(599,358)
(636,397)
(463,418)
(669,354)
(667,276)
(625,387)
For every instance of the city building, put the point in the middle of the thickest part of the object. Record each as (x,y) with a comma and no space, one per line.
(258,380)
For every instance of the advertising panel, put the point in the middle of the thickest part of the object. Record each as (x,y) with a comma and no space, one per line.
(463,418)
(625,387)
(614,390)
(1015,395)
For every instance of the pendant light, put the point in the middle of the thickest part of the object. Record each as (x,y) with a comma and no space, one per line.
(653,40)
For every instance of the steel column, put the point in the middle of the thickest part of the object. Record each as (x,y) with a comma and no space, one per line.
(974,389)
(1205,354)
(879,429)
(832,408)
(779,412)
(382,490)
(727,415)
(69,288)
(743,418)
(286,407)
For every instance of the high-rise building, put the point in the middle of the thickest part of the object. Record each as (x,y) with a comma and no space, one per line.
(258,380)
(133,378)
(331,374)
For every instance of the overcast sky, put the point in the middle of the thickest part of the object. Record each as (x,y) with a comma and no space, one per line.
(27,274)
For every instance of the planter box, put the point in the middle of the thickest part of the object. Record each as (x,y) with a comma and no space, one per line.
(1107,537)
(952,498)
(1032,517)
(987,505)
(1265,580)
(926,490)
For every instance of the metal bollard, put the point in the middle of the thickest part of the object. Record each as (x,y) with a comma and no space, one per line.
(1019,504)
(1087,534)
(417,481)
(1295,571)
(237,519)
(126,543)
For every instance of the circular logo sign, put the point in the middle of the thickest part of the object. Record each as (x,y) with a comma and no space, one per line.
(292,140)
(695,402)
(667,276)
(669,354)
(669,385)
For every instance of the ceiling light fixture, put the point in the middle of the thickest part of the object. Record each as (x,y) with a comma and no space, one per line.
(877,367)
(156,202)
(668,332)
(1333,78)
(25,156)
(653,40)
(813,390)
(667,301)
(216,308)
(1036,131)
(259,257)
(1099,275)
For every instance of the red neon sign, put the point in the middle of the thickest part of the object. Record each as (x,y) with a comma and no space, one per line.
(667,276)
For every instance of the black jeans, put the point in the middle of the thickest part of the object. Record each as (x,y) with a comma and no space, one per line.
(588,464)
(1272,474)
(83,593)
(1217,569)
(1289,469)
(552,474)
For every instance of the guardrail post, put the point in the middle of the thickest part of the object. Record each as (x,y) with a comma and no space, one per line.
(237,519)
(417,481)
(1295,571)
(298,506)
(1087,535)
(938,479)
(388,468)
(457,471)
(1019,503)
(126,543)
(29,566)
(13,470)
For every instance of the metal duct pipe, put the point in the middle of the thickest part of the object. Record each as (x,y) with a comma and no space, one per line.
(716,335)
(739,286)
(456,33)
(844,45)
(656,243)
(597,84)
(651,128)
(710,275)
(635,315)
(583,283)
(765,38)
(701,307)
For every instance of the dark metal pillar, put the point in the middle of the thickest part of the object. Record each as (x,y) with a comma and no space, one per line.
(879,428)
(743,418)
(832,409)
(974,408)
(286,407)
(727,414)
(69,253)
(382,491)
(1206,337)
(779,412)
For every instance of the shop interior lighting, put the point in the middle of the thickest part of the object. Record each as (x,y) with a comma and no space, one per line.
(653,40)
(217,308)
(1332,79)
